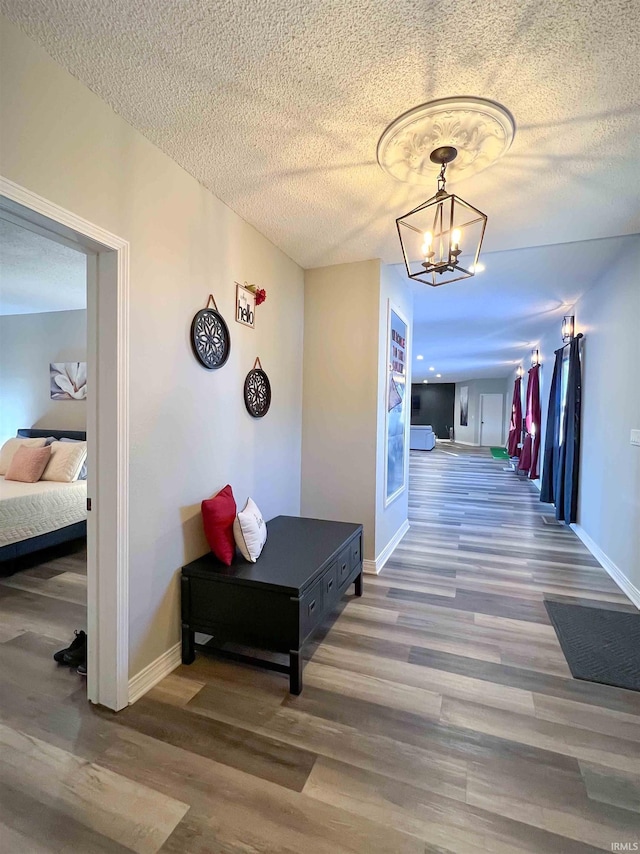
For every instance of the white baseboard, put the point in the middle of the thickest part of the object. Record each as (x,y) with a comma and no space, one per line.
(470,444)
(627,587)
(538,484)
(374,567)
(149,676)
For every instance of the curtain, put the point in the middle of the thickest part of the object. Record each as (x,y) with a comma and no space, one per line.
(531,445)
(515,427)
(552,435)
(536,416)
(525,453)
(567,475)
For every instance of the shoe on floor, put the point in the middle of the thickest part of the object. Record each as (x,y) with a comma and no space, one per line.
(78,655)
(82,669)
(80,640)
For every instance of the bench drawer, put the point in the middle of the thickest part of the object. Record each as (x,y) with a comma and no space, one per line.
(344,567)
(311,607)
(330,587)
(356,552)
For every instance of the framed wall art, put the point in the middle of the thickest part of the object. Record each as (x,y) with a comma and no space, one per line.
(68,380)
(464,406)
(396,408)
(245,306)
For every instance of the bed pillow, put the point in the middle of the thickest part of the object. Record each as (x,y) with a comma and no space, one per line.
(250,531)
(11,446)
(66,461)
(28,464)
(83,470)
(218,514)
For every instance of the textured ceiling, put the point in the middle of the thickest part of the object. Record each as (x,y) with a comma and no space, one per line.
(277,106)
(485,326)
(37,274)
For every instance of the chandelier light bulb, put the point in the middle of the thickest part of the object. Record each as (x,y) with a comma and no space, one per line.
(455,238)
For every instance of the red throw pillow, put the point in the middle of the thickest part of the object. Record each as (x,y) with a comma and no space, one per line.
(218,515)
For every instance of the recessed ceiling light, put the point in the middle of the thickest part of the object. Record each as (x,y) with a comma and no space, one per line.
(419,358)
(431,368)
(425,381)
(438,375)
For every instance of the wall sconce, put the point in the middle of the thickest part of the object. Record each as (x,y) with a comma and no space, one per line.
(568,327)
(535,357)
(520,371)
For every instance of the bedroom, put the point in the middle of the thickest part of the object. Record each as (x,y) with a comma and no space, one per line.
(43,470)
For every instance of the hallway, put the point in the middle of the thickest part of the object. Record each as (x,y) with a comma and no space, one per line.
(438,714)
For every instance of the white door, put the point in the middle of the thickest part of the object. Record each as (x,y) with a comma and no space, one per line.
(491,425)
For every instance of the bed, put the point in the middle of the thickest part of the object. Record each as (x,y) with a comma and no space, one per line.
(35,516)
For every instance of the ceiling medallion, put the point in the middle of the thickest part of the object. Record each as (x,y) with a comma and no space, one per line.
(480,130)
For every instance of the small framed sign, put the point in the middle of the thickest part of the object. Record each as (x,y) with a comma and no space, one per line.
(245,306)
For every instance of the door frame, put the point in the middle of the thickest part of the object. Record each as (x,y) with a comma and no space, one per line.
(482,397)
(107,433)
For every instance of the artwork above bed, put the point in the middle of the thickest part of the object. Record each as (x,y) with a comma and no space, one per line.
(68,380)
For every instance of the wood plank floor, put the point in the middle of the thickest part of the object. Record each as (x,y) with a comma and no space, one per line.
(438,713)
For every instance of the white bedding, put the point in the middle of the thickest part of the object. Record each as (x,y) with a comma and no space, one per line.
(30,509)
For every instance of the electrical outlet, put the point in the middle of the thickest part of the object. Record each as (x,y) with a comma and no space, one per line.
(635,437)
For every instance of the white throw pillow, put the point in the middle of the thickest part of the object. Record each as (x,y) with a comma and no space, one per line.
(11,446)
(250,531)
(67,459)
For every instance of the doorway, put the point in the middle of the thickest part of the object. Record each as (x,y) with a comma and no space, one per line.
(107,432)
(491,419)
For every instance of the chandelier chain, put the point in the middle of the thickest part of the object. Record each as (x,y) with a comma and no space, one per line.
(442,180)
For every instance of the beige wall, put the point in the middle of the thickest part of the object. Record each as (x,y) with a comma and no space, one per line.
(343,425)
(28,344)
(190,433)
(340,395)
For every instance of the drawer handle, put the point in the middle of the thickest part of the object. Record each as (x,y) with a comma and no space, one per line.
(344,567)
(330,584)
(312,606)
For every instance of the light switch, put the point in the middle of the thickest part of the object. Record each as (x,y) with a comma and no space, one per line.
(635,437)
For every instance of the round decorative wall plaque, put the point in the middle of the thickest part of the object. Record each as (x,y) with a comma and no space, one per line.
(257,391)
(210,337)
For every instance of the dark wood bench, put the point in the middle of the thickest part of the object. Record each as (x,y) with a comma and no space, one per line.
(278,602)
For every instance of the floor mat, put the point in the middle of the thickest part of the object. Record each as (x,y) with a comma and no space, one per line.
(499,454)
(600,645)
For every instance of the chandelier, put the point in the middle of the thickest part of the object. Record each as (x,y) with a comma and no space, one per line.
(441,238)
(457,137)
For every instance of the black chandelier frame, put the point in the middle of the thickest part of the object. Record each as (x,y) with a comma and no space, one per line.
(444,224)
